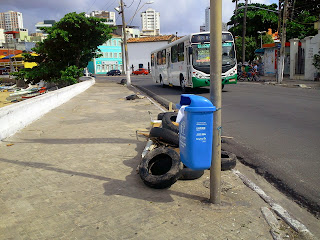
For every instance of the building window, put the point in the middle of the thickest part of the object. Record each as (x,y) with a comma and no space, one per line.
(115,55)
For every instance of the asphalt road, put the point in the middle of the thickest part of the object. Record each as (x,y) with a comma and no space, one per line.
(274,129)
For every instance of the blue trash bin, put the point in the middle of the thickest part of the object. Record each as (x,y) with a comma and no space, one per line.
(195,131)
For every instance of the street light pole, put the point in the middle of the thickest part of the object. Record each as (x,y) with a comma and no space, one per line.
(260,32)
(125,45)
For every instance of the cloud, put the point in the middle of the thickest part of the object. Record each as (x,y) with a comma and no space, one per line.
(182,16)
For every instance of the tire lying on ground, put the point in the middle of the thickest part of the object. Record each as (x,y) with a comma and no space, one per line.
(165,135)
(160,168)
(167,121)
(160,115)
(190,174)
(228,160)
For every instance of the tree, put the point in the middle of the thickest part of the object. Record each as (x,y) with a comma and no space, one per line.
(251,46)
(71,44)
(257,19)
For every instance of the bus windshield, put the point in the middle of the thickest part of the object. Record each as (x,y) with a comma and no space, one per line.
(201,55)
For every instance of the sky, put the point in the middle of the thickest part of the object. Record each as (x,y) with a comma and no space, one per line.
(182,16)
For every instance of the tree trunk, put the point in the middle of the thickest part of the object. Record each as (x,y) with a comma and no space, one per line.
(244,33)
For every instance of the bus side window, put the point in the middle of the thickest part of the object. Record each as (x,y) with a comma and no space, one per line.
(181,52)
(174,54)
(152,59)
(159,58)
(164,56)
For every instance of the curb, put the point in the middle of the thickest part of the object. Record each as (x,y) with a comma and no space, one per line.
(159,99)
(17,116)
(279,210)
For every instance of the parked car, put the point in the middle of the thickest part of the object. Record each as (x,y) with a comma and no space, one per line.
(141,71)
(113,73)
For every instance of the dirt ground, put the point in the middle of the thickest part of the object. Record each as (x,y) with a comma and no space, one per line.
(3,101)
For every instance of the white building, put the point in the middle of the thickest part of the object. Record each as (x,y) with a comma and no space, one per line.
(10,21)
(109,16)
(139,49)
(2,37)
(207,22)
(45,23)
(150,23)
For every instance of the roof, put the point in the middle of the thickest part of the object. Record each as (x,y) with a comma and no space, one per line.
(115,35)
(168,38)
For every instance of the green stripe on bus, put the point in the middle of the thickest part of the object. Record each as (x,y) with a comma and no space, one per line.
(202,82)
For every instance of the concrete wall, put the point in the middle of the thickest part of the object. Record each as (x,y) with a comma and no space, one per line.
(141,53)
(16,116)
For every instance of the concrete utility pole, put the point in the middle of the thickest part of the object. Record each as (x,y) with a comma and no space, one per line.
(244,33)
(279,34)
(283,42)
(215,96)
(125,45)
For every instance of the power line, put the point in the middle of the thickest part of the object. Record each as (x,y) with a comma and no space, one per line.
(136,10)
(108,4)
(130,4)
(91,5)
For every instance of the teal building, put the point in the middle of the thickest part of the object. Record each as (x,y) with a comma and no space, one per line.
(111,58)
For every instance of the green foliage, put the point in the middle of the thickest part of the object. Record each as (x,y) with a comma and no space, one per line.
(71,74)
(266,39)
(301,26)
(72,42)
(257,19)
(251,46)
(316,61)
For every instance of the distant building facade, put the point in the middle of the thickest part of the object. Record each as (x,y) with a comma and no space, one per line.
(45,23)
(111,57)
(206,26)
(10,21)
(150,23)
(2,37)
(110,17)
(132,31)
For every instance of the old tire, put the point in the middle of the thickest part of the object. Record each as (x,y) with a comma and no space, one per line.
(160,168)
(167,120)
(165,135)
(228,160)
(190,174)
(160,115)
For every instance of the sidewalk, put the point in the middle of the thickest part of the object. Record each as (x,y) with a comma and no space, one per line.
(291,83)
(72,175)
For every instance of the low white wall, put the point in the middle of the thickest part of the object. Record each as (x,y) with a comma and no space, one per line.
(18,115)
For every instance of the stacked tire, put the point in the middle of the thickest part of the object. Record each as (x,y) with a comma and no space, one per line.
(162,167)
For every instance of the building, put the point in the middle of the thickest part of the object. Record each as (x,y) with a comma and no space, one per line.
(132,31)
(11,20)
(2,38)
(45,23)
(150,23)
(207,22)
(139,49)
(110,17)
(111,57)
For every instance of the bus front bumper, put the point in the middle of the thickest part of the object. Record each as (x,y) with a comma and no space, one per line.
(202,82)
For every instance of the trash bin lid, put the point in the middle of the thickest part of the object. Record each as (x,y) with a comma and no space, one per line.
(196,103)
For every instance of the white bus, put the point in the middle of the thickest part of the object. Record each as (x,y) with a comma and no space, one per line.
(186,62)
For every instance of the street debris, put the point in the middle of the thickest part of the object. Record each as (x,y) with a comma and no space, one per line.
(123,81)
(134,96)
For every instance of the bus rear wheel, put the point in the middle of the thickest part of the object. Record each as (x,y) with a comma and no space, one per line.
(161,82)
(183,86)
